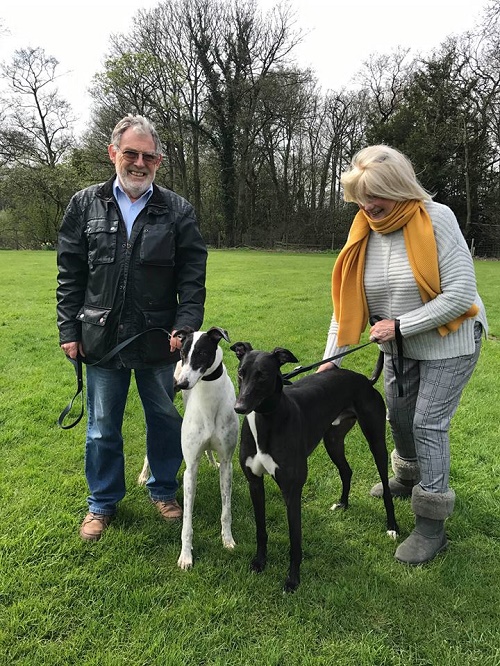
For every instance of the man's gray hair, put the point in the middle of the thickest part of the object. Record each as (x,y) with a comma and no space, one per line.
(140,125)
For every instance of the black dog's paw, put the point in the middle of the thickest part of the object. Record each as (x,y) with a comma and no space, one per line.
(258,565)
(291,584)
(339,505)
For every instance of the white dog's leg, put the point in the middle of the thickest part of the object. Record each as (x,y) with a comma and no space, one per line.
(185,560)
(226,479)
(144,475)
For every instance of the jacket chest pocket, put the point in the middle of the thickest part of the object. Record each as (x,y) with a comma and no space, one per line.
(157,245)
(101,238)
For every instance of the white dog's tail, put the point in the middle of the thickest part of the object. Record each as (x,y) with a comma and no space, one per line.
(211,458)
(144,475)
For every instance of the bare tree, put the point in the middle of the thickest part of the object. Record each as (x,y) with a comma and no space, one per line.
(179,107)
(35,138)
(385,77)
(237,49)
(36,129)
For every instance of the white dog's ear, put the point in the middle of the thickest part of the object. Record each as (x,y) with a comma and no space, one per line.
(241,348)
(284,356)
(217,334)
(183,332)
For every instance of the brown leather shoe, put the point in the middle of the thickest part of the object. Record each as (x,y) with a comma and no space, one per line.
(169,509)
(93,526)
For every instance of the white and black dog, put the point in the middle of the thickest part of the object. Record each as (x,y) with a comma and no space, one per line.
(209,424)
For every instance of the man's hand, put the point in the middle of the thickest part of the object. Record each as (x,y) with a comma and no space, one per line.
(72,349)
(175,343)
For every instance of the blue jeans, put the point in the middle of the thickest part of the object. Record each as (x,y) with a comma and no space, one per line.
(107,392)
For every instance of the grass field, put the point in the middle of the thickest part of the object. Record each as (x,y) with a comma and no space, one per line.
(123,600)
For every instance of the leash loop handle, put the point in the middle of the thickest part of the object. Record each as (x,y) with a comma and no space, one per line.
(397,368)
(77,364)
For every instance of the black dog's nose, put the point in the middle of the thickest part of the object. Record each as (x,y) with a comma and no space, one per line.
(240,408)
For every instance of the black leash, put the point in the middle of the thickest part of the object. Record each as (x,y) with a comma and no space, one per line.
(300,369)
(77,364)
(398,368)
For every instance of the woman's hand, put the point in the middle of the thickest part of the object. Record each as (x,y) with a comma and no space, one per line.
(383,331)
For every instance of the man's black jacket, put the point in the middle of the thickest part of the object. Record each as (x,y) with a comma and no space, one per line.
(110,288)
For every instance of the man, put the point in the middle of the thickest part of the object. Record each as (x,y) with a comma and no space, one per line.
(130,258)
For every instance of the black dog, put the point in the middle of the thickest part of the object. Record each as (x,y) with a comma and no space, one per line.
(284,424)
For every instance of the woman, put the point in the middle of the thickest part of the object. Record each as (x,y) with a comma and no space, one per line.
(407,265)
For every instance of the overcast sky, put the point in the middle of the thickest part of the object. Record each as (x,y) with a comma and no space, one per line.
(340,36)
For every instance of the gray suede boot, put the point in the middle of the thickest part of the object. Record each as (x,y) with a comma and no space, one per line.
(406,475)
(428,538)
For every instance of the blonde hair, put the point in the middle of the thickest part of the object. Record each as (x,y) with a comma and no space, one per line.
(382,172)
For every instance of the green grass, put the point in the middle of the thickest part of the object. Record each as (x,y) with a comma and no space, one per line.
(123,600)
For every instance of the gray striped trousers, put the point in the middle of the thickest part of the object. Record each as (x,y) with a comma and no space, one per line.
(420,419)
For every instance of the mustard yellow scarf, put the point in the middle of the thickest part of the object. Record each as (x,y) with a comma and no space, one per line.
(348,293)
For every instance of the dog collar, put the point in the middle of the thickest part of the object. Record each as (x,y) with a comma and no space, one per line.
(213,375)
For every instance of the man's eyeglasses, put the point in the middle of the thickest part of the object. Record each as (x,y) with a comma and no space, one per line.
(133,156)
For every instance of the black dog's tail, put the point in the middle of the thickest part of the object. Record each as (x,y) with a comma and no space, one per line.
(377,370)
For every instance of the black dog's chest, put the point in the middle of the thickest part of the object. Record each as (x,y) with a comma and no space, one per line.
(262,432)
(277,436)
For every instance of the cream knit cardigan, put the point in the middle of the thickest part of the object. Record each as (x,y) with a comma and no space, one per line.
(392,293)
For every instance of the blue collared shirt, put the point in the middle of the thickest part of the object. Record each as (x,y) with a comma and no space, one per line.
(130,209)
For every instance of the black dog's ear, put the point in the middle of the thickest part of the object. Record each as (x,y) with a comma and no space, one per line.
(216,334)
(284,356)
(183,332)
(241,348)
